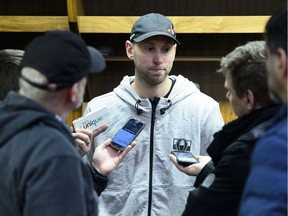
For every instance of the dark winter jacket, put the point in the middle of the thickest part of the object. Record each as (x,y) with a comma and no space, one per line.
(221,183)
(41,170)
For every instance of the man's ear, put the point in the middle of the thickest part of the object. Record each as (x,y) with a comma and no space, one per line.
(282,65)
(129,49)
(250,100)
(72,93)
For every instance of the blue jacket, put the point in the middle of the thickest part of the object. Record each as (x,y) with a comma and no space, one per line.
(266,187)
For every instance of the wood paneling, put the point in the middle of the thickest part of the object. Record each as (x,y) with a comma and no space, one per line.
(33,23)
(183,24)
(181,7)
(123,24)
(33,7)
(227,111)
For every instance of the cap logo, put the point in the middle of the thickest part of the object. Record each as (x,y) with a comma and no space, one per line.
(170,29)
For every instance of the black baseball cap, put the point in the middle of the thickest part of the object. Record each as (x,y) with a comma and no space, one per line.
(63,58)
(150,25)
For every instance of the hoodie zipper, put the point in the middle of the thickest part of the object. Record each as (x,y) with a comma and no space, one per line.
(154,105)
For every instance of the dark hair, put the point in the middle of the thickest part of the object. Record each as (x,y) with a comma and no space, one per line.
(247,66)
(276,30)
(9,71)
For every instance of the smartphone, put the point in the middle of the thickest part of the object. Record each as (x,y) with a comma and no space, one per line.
(92,120)
(127,134)
(185,158)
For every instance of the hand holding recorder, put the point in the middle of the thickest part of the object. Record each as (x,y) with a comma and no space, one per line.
(106,159)
(127,134)
(108,155)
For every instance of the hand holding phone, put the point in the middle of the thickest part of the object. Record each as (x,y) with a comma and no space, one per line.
(185,158)
(127,134)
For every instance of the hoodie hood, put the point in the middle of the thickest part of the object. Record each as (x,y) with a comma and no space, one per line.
(19,113)
(181,89)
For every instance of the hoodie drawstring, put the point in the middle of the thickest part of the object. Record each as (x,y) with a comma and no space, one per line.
(139,111)
(163,110)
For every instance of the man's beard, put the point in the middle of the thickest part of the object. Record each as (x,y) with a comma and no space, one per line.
(149,79)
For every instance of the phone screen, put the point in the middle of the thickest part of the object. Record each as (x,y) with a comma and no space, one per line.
(127,134)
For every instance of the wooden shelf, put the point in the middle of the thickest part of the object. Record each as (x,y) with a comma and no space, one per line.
(123,24)
(33,23)
(183,24)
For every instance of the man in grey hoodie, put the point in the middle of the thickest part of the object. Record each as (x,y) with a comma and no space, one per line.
(177,116)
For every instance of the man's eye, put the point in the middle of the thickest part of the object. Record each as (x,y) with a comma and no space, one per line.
(166,50)
(149,49)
